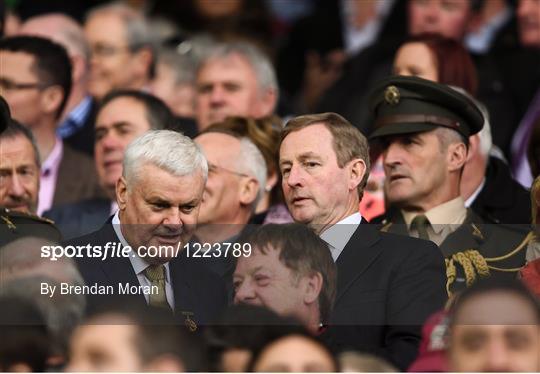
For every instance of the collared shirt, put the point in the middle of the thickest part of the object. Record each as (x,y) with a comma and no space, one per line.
(444,219)
(475,194)
(338,235)
(139,265)
(114,207)
(48,176)
(480,41)
(75,119)
(357,39)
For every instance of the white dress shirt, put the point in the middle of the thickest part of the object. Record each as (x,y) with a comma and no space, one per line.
(139,265)
(338,235)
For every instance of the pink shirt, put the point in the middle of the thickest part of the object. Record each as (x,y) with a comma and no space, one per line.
(48,177)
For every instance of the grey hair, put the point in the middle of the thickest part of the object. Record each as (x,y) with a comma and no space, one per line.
(166,149)
(137,27)
(23,270)
(252,163)
(263,68)
(62,313)
(184,66)
(486,140)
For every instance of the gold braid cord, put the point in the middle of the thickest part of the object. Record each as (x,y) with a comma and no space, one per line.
(474,263)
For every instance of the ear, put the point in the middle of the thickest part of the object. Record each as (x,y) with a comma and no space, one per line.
(121,193)
(142,59)
(271,181)
(357,170)
(249,188)
(266,104)
(78,68)
(457,156)
(474,144)
(51,99)
(313,286)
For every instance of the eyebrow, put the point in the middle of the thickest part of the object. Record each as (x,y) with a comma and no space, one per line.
(302,157)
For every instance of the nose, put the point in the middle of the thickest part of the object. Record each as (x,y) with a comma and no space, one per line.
(173,219)
(295,177)
(16,187)
(497,357)
(524,8)
(217,95)
(432,11)
(244,293)
(108,141)
(391,155)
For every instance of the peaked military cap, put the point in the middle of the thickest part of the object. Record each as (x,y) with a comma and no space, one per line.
(403,105)
(15,225)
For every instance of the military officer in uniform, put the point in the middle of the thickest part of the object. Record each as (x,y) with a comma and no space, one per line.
(14,224)
(423,128)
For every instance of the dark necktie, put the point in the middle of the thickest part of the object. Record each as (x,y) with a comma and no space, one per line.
(420,223)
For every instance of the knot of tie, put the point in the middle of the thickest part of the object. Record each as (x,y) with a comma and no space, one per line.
(156,276)
(155,273)
(420,223)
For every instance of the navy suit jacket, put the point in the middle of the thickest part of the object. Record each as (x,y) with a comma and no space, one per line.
(197,291)
(387,286)
(80,218)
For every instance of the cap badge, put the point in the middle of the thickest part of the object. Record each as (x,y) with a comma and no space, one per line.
(392,95)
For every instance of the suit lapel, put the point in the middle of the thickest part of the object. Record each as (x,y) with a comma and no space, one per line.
(118,270)
(183,285)
(357,257)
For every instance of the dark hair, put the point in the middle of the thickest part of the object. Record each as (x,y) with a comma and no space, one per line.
(454,63)
(15,129)
(348,142)
(491,285)
(246,327)
(258,353)
(51,62)
(25,338)
(157,334)
(302,251)
(533,153)
(158,114)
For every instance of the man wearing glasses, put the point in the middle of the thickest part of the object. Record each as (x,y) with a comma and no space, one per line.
(35,80)
(236,174)
(121,55)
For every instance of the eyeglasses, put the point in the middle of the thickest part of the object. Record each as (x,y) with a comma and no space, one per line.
(103,50)
(214,169)
(8,85)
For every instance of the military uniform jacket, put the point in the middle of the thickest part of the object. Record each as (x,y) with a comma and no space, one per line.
(476,249)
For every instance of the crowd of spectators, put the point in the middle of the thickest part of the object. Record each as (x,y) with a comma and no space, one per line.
(270,185)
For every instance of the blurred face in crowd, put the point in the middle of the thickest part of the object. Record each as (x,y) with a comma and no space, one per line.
(19,174)
(112,63)
(317,191)
(218,9)
(294,354)
(20,86)
(117,124)
(416,169)
(104,347)
(223,193)
(446,17)
(496,331)
(228,86)
(416,59)
(180,98)
(528,14)
(264,280)
(159,208)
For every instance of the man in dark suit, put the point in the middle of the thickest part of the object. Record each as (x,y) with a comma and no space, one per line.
(387,286)
(122,116)
(36,81)
(158,195)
